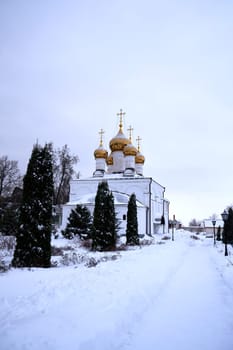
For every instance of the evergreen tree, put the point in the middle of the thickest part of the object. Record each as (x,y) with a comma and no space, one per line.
(104,228)
(33,247)
(227,235)
(132,236)
(111,221)
(79,223)
(9,212)
(219,233)
(9,220)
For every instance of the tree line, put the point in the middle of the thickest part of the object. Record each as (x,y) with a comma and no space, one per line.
(34,219)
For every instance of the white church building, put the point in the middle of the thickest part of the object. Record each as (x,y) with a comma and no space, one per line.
(122,168)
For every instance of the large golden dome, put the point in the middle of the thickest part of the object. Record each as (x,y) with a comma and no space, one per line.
(119,142)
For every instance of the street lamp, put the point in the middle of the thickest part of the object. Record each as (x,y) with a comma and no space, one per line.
(214,223)
(225,217)
(173,225)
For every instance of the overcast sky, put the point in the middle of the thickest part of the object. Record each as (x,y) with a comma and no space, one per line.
(67,67)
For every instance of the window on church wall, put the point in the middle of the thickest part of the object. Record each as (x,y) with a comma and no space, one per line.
(124,216)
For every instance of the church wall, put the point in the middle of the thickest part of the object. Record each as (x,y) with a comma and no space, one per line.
(66,210)
(79,188)
(121,210)
(134,185)
(147,191)
(141,212)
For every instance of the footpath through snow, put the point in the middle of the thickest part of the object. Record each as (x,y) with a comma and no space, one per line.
(176,295)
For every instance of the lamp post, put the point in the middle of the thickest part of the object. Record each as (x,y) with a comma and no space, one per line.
(214,223)
(173,225)
(225,217)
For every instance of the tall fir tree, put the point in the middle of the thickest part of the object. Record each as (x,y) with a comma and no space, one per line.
(219,233)
(104,228)
(227,235)
(79,223)
(132,236)
(33,247)
(111,221)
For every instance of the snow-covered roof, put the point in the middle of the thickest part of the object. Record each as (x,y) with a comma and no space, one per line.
(107,176)
(89,199)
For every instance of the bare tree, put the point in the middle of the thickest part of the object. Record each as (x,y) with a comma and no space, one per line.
(9,176)
(63,171)
(214,216)
(194,222)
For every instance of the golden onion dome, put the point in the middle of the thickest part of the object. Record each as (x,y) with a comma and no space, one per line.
(109,160)
(100,152)
(139,159)
(130,150)
(119,142)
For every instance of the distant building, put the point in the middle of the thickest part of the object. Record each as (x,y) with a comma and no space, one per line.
(208,227)
(122,168)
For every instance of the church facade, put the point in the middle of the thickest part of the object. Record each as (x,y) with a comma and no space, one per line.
(122,168)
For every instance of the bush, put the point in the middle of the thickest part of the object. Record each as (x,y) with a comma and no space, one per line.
(164,238)
(7,243)
(194,237)
(79,223)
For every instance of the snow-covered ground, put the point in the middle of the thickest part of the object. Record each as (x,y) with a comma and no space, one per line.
(172,295)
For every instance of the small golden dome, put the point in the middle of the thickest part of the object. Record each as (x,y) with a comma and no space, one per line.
(139,159)
(100,153)
(130,150)
(109,160)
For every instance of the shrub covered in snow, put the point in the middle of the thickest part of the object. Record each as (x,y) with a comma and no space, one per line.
(79,223)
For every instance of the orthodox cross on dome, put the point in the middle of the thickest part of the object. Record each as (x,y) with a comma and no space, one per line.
(121,114)
(101,132)
(130,132)
(138,141)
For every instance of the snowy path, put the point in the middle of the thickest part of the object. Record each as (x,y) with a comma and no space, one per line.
(177,295)
(191,312)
